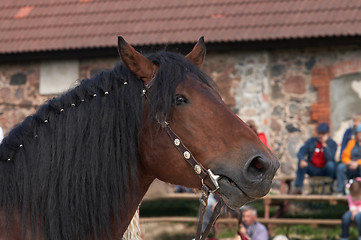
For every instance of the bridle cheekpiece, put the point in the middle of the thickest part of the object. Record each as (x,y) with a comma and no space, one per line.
(209,180)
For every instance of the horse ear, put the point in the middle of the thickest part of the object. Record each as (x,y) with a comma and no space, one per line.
(141,66)
(197,55)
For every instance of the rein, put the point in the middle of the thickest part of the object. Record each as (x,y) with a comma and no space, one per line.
(208,179)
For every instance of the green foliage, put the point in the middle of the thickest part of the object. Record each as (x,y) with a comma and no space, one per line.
(314,210)
(177,207)
(227,232)
(317,210)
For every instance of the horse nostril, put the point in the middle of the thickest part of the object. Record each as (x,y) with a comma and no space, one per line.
(256,168)
(257,175)
(257,163)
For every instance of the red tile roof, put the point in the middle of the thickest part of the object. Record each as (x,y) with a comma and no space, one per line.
(42,25)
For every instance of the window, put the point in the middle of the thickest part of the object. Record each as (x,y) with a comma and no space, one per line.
(58,76)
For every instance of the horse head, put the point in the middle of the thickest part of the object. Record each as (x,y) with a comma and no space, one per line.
(81,164)
(215,136)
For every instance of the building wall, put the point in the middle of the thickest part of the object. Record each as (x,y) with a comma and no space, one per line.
(286,92)
(19,93)
(289,92)
(273,89)
(19,88)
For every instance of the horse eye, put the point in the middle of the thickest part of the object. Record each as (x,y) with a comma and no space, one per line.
(180,99)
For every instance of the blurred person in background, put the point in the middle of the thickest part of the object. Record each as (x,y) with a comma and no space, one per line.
(316,157)
(249,227)
(350,132)
(351,161)
(353,191)
(260,135)
(1,134)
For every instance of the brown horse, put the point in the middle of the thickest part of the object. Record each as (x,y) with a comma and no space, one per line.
(80,166)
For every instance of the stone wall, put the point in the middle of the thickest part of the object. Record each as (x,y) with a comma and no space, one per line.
(273,89)
(243,83)
(19,93)
(19,88)
(286,92)
(291,98)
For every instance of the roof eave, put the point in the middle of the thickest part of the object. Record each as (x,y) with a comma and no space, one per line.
(81,53)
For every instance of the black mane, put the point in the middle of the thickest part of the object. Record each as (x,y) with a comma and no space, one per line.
(70,163)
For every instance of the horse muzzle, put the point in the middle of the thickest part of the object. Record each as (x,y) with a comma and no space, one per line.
(252,182)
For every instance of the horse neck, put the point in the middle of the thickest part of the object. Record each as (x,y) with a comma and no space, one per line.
(143,182)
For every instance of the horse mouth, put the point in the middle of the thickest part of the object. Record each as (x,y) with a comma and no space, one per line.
(232,194)
(232,182)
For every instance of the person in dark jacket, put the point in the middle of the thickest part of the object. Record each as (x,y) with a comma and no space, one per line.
(316,157)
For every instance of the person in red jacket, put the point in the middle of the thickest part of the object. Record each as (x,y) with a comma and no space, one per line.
(316,157)
(260,135)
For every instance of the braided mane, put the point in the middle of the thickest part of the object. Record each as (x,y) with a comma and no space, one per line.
(66,169)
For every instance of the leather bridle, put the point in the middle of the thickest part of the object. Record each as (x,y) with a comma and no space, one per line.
(208,179)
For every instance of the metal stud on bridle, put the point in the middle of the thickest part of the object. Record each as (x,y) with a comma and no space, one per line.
(197,169)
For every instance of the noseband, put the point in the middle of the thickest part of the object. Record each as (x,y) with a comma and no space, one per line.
(208,179)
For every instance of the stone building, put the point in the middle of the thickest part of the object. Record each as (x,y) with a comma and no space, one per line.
(287,65)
